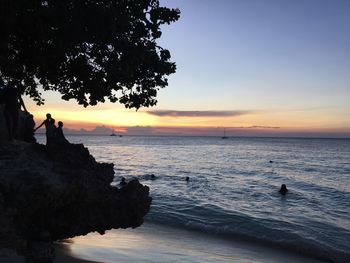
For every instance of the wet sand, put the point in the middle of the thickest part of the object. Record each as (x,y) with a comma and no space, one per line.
(154,243)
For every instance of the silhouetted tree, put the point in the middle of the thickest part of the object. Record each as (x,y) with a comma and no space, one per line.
(88,50)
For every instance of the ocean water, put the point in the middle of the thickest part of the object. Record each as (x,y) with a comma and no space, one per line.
(233,187)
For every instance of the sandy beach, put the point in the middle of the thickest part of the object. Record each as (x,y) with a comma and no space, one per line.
(154,243)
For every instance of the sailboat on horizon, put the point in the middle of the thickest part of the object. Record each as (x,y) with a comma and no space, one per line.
(224,137)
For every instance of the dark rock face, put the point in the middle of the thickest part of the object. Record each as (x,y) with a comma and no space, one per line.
(24,129)
(61,192)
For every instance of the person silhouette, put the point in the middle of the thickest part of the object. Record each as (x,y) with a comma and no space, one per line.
(49,123)
(283,190)
(13,102)
(60,138)
(123,182)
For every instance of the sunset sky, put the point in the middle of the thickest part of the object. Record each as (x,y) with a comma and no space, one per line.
(257,67)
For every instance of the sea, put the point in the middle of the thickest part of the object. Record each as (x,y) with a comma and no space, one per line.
(233,186)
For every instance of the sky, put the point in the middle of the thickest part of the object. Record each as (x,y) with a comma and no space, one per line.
(256,67)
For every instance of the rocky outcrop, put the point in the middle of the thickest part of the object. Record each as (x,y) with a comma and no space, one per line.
(24,129)
(61,192)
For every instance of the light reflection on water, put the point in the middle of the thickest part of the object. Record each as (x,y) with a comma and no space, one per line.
(233,181)
(157,244)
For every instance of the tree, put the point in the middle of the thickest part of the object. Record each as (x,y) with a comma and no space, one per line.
(88,50)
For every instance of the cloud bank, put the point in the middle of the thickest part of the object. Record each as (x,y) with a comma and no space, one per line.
(177,113)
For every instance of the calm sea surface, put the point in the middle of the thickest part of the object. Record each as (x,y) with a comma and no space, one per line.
(233,187)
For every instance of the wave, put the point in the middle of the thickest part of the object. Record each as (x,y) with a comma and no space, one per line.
(239,226)
(233,189)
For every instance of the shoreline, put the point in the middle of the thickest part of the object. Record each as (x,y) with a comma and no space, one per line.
(157,243)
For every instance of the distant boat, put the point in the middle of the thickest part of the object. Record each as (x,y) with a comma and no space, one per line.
(113,133)
(224,137)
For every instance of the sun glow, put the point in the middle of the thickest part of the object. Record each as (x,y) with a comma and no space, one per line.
(86,118)
(190,121)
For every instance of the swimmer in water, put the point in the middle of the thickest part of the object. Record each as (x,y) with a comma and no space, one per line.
(123,182)
(283,189)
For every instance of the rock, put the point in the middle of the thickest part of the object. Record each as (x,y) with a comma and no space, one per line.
(24,130)
(10,256)
(49,194)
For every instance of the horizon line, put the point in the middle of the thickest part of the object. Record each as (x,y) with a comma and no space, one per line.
(209,131)
(281,136)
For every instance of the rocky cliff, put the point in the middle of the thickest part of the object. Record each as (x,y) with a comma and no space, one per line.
(52,194)
(24,129)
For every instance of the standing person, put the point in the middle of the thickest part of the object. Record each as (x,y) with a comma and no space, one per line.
(59,134)
(13,102)
(49,123)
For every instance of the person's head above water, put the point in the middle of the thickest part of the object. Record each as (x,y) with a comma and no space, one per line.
(122,181)
(60,124)
(283,189)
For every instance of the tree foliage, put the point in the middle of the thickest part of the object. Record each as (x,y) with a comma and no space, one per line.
(88,50)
